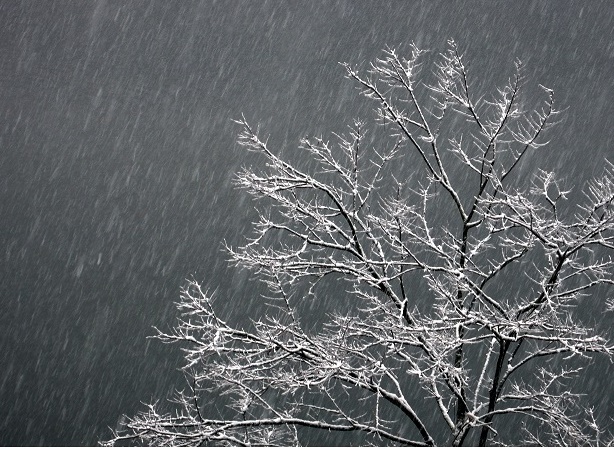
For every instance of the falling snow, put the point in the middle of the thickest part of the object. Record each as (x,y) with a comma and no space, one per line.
(118,153)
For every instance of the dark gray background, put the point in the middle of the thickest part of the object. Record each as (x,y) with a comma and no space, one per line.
(117,154)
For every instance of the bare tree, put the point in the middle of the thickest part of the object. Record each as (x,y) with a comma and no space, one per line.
(458,269)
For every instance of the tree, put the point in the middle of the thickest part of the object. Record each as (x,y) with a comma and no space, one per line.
(456,276)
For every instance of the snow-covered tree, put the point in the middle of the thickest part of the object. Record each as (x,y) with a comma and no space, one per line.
(457,268)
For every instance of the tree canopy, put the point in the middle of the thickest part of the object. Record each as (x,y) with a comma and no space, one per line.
(460,266)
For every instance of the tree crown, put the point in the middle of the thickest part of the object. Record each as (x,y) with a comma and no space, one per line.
(458,266)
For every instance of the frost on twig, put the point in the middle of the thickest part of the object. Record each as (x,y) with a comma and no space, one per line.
(468,312)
